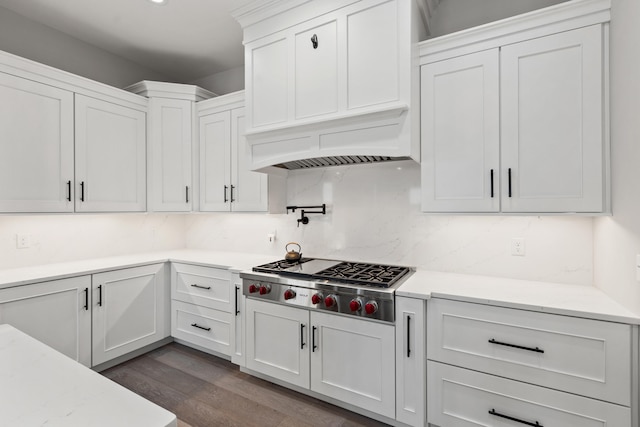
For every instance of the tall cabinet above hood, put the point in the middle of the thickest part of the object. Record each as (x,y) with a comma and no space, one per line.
(331,82)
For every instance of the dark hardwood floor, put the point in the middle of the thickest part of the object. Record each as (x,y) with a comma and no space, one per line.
(204,391)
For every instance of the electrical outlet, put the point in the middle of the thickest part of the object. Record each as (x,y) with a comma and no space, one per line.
(271,237)
(23,241)
(517,246)
(638,267)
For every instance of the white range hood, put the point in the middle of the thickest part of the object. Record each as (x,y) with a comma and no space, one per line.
(331,82)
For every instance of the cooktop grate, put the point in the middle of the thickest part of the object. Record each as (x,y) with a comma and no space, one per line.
(361,273)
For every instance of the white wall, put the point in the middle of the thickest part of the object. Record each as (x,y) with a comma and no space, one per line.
(32,40)
(60,238)
(617,238)
(374,215)
(224,82)
(456,15)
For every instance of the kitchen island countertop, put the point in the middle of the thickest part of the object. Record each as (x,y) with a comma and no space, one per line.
(39,386)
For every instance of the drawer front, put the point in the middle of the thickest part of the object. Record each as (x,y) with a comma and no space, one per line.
(202,326)
(464,398)
(587,357)
(205,286)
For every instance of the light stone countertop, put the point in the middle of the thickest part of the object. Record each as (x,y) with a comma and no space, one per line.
(39,386)
(570,300)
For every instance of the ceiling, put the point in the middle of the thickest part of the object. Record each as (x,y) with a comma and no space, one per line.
(183,39)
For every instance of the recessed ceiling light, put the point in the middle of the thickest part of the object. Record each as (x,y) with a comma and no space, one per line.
(159,1)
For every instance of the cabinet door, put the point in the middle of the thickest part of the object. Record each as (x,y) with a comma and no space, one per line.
(56,313)
(36,152)
(169,149)
(238,353)
(316,70)
(278,341)
(267,80)
(215,173)
(110,157)
(552,133)
(128,311)
(411,375)
(248,189)
(354,361)
(372,33)
(461,134)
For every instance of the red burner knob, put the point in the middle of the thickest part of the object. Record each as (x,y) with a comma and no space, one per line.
(355,304)
(371,307)
(253,289)
(330,301)
(289,293)
(316,298)
(265,289)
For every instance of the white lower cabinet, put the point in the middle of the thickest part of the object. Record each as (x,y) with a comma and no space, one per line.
(129,310)
(203,300)
(464,398)
(57,313)
(411,400)
(350,360)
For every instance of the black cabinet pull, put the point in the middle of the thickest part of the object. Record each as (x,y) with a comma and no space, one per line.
(201,287)
(509,173)
(237,296)
(302,343)
(314,41)
(507,417)
(225,194)
(313,339)
(195,325)
(86,299)
(82,191)
(69,191)
(492,183)
(232,188)
(100,296)
(186,194)
(408,336)
(537,350)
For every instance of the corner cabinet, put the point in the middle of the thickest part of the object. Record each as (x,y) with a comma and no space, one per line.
(129,310)
(520,126)
(226,182)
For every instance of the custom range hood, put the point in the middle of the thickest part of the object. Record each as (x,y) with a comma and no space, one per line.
(331,82)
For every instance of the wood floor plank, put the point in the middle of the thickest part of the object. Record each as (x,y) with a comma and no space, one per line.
(205,391)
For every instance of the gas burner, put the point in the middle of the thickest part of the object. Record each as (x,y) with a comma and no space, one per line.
(363,274)
(280,265)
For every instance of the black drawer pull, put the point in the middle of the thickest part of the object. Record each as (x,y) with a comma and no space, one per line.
(201,287)
(408,336)
(509,182)
(232,188)
(537,350)
(68,191)
(507,417)
(100,296)
(86,299)
(492,183)
(82,191)
(195,325)
(313,339)
(186,194)
(237,296)
(225,194)
(302,343)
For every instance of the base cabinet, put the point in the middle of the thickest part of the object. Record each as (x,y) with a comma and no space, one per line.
(129,310)
(464,398)
(238,356)
(56,313)
(411,399)
(346,359)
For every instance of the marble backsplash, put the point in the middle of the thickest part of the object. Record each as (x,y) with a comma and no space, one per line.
(374,216)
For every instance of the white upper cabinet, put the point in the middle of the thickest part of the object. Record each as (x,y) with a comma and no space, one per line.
(552,126)
(461,134)
(226,182)
(110,156)
(36,149)
(331,78)
(514,114)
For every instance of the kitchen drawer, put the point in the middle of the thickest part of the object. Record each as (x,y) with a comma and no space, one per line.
(582,356)
(202,326)
(205,286)
(463,398)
